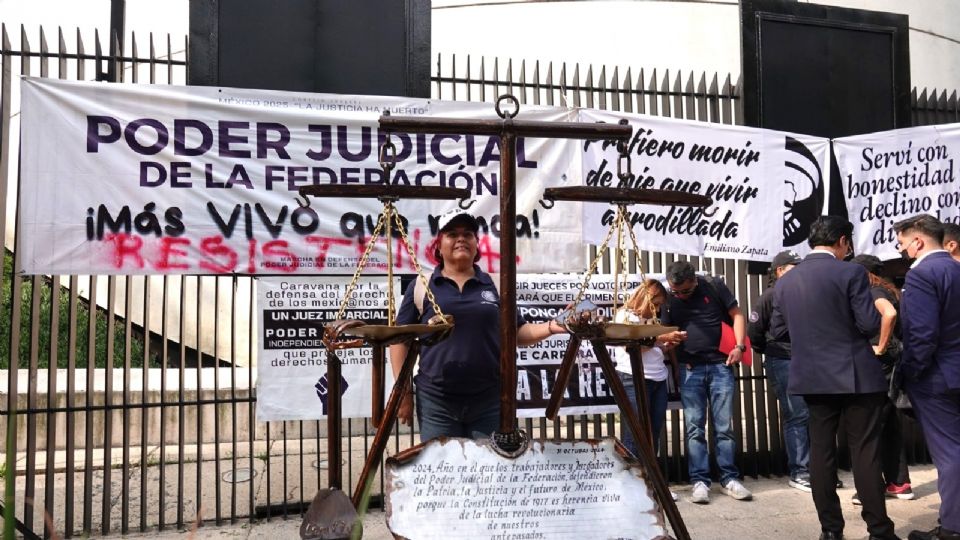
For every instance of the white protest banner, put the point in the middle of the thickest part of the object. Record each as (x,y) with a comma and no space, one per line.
(157,179)
(892,175)
(292,361)
(541,297)
(767,186)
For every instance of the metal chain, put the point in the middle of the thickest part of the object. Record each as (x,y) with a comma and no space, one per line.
(390,212)
(618,255)
(416,264)
(636,252)
(624,174)
(593,268)
(360,265)
(388,160)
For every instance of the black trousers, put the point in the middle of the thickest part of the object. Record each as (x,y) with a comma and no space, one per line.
(894,451)
(861,418)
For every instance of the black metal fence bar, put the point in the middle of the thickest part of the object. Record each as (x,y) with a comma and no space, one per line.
(932,107)
(9,438)
(85,316)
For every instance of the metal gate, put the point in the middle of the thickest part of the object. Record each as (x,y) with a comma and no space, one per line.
(112,428)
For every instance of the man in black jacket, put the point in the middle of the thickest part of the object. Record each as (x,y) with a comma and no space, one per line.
(793,409)
(708,385)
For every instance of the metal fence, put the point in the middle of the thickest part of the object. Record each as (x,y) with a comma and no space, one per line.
(116,428)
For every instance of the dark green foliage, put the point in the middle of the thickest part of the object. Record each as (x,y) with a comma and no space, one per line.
(44,331)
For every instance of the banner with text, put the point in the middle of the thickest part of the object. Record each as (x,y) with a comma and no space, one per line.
(157,179)
(892,175)
(292,385)
(541,297)
(292,361)
(767,186)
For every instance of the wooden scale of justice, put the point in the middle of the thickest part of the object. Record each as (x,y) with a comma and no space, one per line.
(332,515)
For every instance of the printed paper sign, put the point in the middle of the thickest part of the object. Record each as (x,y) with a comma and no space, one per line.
(292,369)
(541,297)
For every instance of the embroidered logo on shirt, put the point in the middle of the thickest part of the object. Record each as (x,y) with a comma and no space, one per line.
(754,316)
(489,296)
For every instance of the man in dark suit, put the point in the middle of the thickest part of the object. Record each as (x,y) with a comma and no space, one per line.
(931,358)
(951,240)
(824,305)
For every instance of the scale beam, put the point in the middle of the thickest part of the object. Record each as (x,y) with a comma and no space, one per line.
(519,128)
(662,197)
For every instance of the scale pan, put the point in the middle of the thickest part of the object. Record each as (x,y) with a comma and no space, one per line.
(382,332)
(619,331)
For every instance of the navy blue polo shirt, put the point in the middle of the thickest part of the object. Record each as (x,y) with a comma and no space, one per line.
(700,315)
(467,362)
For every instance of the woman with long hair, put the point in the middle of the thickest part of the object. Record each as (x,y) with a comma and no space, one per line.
(887,347)
(642,307)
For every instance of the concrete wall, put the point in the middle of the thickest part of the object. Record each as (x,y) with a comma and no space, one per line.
(697,36)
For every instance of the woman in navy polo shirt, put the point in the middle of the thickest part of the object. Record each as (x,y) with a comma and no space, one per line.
(458,383)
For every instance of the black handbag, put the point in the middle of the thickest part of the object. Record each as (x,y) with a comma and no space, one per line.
(891,356)
(895,391)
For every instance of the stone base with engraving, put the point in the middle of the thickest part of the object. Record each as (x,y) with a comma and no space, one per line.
(461,488)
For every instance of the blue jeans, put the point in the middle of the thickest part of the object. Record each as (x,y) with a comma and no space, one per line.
(793,409)
(938,409)
(710,385)
(470,417)
(656,406)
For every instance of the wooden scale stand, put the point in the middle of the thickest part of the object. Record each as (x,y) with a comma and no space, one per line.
(331,515)
(508,440)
